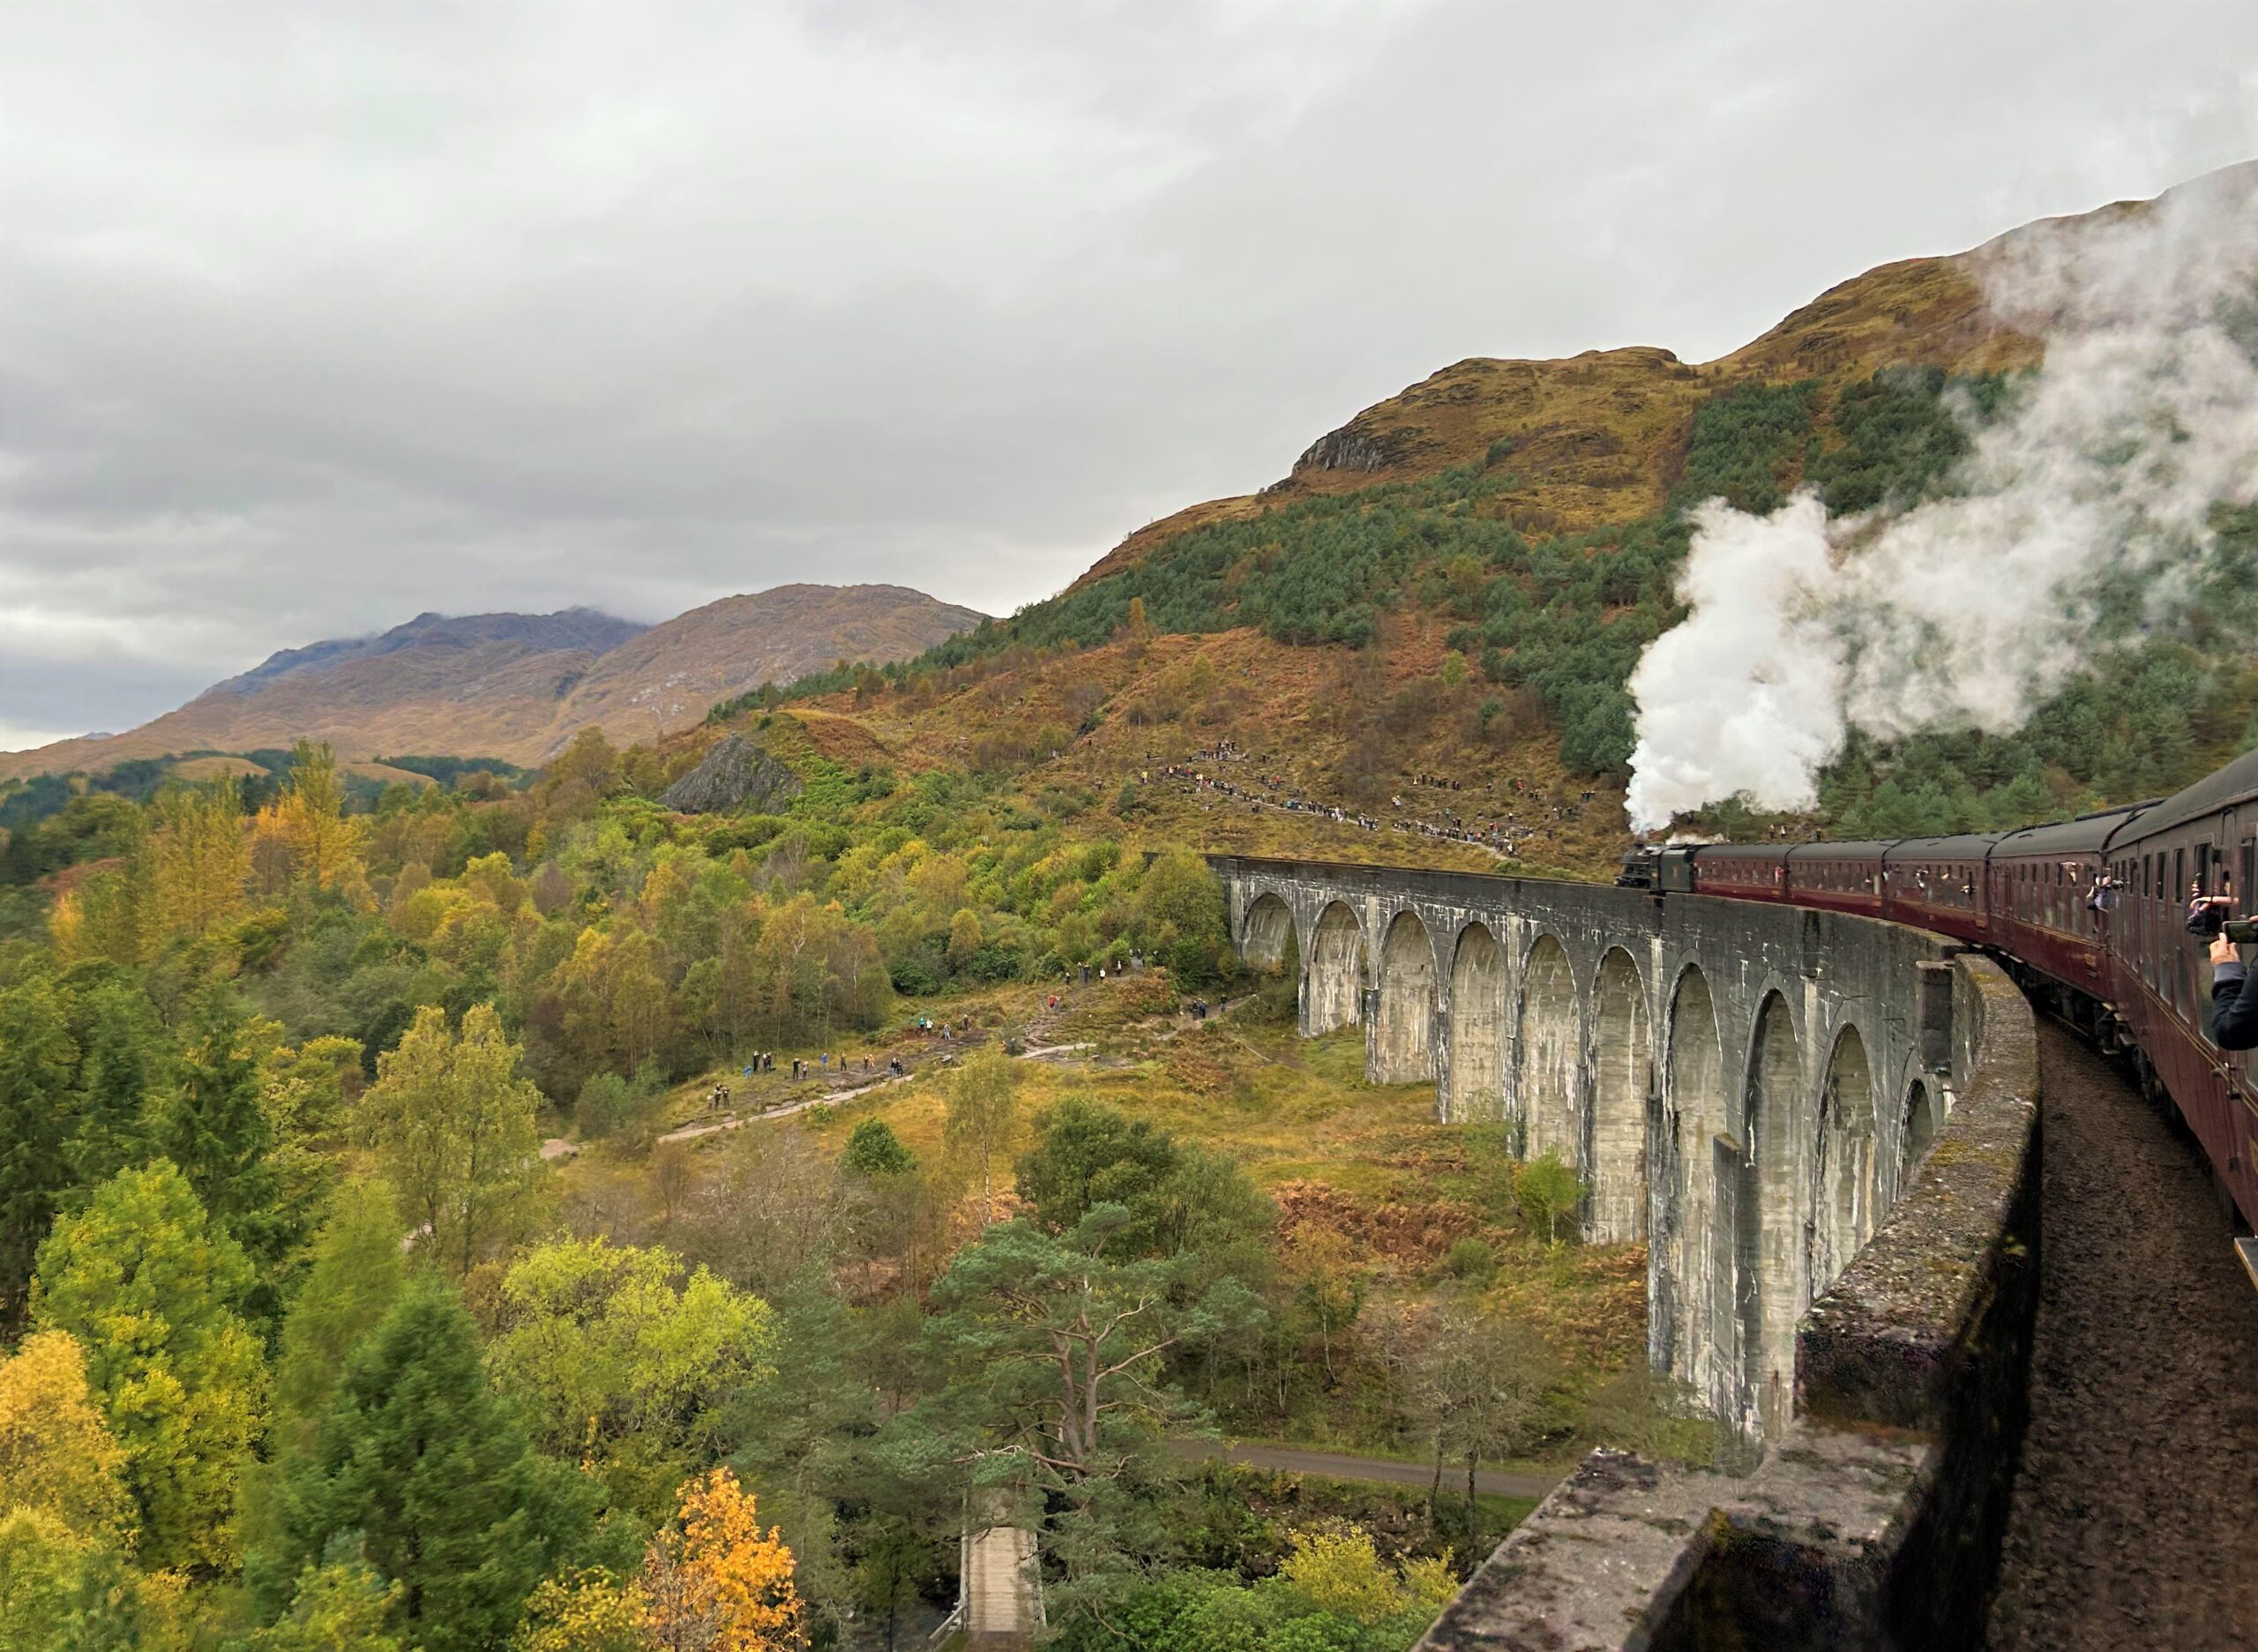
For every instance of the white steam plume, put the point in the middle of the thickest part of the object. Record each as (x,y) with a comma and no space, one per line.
(1964,611)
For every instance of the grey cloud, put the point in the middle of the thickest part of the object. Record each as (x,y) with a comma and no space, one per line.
(316,319)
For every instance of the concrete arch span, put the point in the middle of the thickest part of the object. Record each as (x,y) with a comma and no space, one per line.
(1771,1276)
(1474,1084)
(1923,1115)
(1335,994)
(1621,1064)
(1846,1189)
(1403,1031)
(1267,933)
(1549,1048)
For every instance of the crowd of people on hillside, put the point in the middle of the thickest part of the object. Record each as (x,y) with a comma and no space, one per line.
(1505,835)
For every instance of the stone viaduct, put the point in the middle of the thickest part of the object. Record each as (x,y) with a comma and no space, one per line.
(1746,1088)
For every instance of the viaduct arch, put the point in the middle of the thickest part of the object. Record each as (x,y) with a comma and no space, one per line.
(1743,1087)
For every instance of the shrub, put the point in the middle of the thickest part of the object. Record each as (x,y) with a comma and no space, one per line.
(875,1150)
(1548,1194)
(1472,1260)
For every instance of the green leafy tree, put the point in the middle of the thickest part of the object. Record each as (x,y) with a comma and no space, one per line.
(1549,1195)
(418,1454)
(964,938)
(1484,1385)
(63,1590)
(148,1284)
(452,1123)
(622,1354)
(338,1605)
(1180,915)
(982,1098)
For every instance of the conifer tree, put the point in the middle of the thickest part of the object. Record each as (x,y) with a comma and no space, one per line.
(148,1284)
(355,1273)
(214,1125)
(37,1055)
(419,1454)
(121,1061)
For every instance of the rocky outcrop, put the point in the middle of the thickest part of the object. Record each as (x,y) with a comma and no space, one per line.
(1346,448)
(735,774)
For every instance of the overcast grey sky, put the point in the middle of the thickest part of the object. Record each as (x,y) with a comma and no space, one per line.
(314,316)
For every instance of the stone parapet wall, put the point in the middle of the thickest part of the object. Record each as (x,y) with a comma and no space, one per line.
(1874,1522)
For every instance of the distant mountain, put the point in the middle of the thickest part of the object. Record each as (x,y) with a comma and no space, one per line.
(569,628)
(518,686)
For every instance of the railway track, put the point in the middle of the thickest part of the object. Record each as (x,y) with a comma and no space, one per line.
(2134,1521)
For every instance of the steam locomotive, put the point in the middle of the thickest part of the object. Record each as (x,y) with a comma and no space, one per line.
(2089,916)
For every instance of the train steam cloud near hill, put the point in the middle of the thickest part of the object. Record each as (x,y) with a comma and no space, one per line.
(2100,479)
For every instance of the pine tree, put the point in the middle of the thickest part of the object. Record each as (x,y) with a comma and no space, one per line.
(37,1055)
(214,1125)
(121,1060)
(356,1273)
(418,1454)
(148,1284)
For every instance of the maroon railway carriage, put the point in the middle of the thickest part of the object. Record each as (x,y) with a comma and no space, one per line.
(2041,898)
(1746,871)
(2092,912)
(1937,884)
(1839,877)
(2204,838)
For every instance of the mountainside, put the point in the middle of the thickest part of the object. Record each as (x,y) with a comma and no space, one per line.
(518,686)
(1456,585)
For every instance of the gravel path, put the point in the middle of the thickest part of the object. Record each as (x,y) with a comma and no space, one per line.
(2135,1515)
(1334,1465)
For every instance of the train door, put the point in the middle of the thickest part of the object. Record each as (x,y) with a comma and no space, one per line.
(2179,970)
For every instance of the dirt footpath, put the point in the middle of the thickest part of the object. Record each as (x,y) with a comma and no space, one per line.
(2135,1515)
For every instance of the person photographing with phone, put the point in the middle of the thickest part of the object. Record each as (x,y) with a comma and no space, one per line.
(2234,1012)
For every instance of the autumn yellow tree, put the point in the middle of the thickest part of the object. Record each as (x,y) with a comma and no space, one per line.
(56,1452)
(309,820)
(964,937)
(101,916)
(199,859)
(585,1612)
(715,1582)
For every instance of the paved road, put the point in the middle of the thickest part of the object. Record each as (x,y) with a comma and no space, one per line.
(1342,1466)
